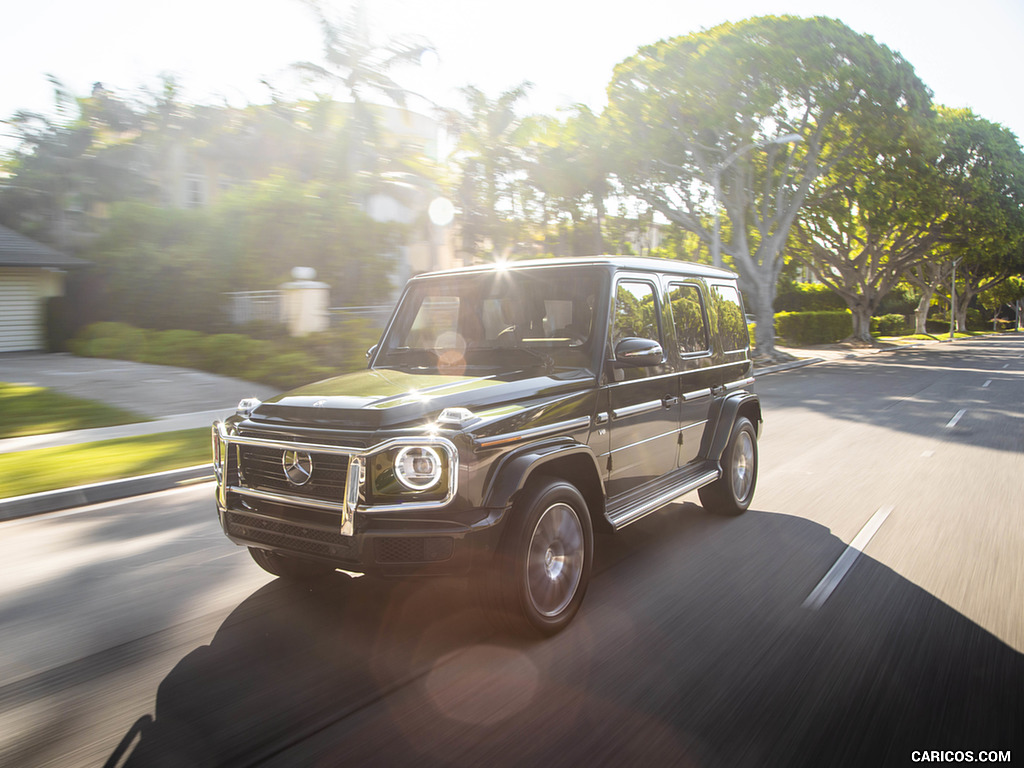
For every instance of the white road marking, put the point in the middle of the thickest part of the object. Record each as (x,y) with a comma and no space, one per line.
(928,454)
(985,385)
(959,415)
(846,560)
(1006,366)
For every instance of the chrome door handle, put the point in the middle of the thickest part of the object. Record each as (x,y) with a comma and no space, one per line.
(669,400)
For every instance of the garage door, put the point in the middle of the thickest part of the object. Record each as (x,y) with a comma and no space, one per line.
(20,311)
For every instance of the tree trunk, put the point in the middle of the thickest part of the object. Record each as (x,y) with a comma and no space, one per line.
(963,301)
(861,323)
(761,294)
(921,313)
(764,331)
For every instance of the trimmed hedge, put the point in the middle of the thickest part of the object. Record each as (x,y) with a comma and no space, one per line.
(813,327)
(808,297)
(891,325)
(288,363)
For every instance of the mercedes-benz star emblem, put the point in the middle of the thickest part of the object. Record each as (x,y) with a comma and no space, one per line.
(298,467)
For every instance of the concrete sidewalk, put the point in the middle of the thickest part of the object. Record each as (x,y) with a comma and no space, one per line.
(180,398)
(175,398)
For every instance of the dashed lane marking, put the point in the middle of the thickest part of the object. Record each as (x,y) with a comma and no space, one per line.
(956,419)
(846,560)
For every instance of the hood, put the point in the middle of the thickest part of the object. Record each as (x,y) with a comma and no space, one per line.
(386,398)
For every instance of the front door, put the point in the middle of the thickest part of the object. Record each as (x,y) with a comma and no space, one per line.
(643,402)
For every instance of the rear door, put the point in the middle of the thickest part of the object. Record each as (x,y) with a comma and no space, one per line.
(688,313)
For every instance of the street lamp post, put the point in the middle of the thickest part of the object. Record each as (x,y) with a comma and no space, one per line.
(952,302)
(716,183)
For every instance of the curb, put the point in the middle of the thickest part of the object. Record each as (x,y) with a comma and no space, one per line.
(788,366)
(95,493)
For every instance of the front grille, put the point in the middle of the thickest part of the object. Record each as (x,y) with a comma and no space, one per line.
(414,550)
(288,536)
(262,469)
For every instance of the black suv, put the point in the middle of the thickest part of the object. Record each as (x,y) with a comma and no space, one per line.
(507,411)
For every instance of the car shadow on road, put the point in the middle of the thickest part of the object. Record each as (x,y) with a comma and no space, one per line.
(692,648)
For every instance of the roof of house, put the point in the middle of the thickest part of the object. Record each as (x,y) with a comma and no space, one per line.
(16,250)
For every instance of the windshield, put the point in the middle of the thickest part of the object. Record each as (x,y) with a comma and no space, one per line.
(503,320)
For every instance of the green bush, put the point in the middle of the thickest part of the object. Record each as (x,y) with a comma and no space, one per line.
(293,369)
(174,348)
(112,340)
(901,300)
(342,346)
(976,320)
(813,327)
(288,363)
(807,297)
(228,353)
(890,325)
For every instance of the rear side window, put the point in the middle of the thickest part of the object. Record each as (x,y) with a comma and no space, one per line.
(688,318)
(728,312)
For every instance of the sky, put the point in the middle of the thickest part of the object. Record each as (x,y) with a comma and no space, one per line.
(971,54)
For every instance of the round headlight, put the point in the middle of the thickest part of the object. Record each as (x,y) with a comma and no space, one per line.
(418,467)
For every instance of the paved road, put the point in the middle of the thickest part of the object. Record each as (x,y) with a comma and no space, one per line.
(703,641)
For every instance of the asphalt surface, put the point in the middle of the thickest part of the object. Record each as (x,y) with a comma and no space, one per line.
(134,633)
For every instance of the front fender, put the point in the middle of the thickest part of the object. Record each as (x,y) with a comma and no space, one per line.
(514,470)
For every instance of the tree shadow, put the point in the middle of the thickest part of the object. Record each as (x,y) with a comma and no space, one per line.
(692,648)
(889,391)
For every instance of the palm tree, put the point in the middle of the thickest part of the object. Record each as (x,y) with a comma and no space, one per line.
(356,65)
(490,138)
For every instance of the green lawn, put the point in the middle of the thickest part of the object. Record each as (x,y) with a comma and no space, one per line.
(46,469)
(27,410)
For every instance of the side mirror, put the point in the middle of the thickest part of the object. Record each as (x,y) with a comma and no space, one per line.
(637,353)
(371,351)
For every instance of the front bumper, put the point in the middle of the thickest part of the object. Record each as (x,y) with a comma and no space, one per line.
(332,522)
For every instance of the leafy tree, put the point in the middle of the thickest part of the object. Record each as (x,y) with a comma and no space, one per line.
(568,165)
(168,268)
(978,167)
(715,110)
(65,166)
(1010,293)
(880,212)
(988,165)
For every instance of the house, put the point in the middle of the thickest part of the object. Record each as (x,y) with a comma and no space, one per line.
(30,273)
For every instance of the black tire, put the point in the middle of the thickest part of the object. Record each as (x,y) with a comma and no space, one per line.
(291,568)
(540,575)
(732,493)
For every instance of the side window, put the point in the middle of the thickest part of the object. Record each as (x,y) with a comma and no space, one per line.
(635,315)
(435,324)
(732,325)
(687,309)
(636,312)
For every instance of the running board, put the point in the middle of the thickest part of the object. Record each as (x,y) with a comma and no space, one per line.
(636,506)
